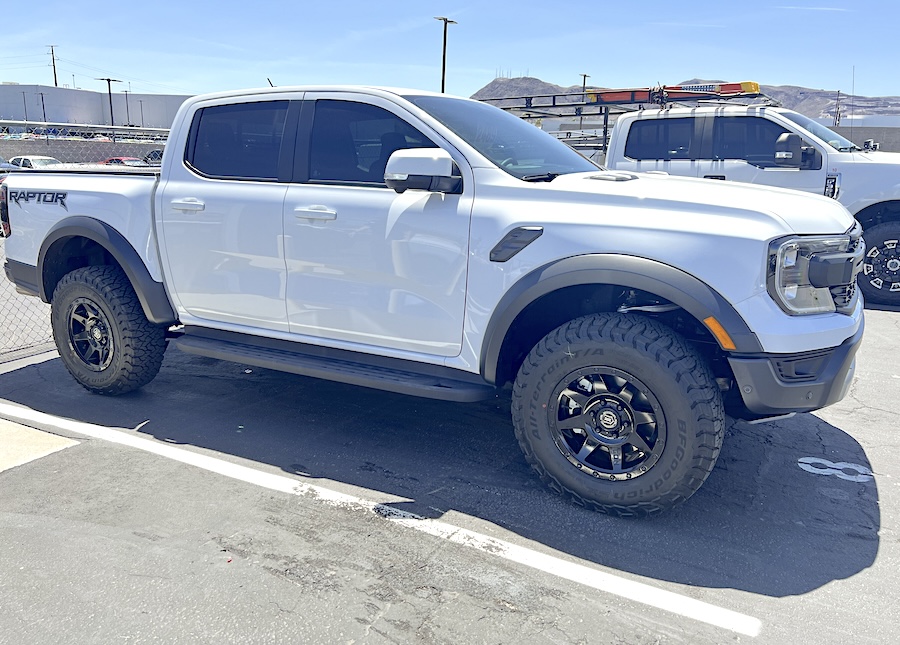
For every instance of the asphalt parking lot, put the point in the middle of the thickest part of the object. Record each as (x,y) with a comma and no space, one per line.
(223,504)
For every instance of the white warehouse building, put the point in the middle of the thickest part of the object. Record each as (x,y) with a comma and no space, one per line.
(60,105)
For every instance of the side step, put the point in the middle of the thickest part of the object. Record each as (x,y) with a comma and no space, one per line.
(342,368)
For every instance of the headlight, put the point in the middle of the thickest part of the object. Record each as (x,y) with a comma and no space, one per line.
(795,276)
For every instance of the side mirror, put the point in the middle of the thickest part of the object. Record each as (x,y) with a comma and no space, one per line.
(430,169)
(788,151)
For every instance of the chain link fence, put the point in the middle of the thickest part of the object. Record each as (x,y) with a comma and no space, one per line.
(24,320)
(36,152)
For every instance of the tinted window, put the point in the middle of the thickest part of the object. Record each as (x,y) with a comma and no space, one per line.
(662,139)
(351,142)
(749,138)
(240,141)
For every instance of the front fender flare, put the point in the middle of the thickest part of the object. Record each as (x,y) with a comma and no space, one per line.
(628,271)
(151,294)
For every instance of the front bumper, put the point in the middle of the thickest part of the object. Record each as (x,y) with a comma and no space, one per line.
(776,384)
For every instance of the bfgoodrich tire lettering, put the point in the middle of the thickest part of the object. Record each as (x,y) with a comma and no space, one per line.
(101,332)
(618,413)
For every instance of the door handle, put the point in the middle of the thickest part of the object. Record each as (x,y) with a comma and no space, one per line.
(314,212)
(722,177)
(188,204)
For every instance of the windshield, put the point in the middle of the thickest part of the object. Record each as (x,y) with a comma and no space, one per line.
(37,162)
(514,145)
(835,140)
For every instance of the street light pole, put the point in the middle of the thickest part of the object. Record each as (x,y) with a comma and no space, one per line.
(109,82)
(127,112)
(446,22)
(584,78)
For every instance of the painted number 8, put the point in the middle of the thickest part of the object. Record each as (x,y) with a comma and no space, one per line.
(824,467)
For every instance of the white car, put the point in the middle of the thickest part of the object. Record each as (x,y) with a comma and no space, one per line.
(33,161)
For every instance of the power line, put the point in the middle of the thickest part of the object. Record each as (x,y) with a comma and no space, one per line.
(130,78)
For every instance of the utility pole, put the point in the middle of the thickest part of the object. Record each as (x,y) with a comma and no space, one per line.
(53,62)
(446,22)
(25,105)
(127,112)
(141,101)
(584,78)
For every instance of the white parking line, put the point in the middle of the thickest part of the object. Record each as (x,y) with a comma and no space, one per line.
(559,567)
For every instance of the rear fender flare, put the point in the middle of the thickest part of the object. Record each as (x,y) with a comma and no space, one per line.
(151,294)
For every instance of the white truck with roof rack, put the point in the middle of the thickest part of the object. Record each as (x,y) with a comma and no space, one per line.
(437,246)
(774,146)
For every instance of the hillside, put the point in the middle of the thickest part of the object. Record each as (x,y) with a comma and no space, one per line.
(811,102)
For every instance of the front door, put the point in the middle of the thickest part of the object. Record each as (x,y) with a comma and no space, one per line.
(743,149)
(366,265)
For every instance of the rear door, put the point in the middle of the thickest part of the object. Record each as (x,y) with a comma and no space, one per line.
(221,215)
(664,143)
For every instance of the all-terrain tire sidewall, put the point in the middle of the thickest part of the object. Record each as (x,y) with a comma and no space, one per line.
(659,359)
(138,345)
(881,239)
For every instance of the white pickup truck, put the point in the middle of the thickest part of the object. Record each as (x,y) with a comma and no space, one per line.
(775,147)
(440,247)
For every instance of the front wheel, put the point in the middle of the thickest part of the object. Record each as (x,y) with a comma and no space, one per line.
(618,413)
(879,279)
(102,335)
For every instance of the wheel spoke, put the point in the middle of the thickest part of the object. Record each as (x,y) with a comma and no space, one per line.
(588,448)
(627,393)
(639,442)
(615,456)
(81,319)
(580,398)
(642,418)
(88,353)
(578,422)
(81,337)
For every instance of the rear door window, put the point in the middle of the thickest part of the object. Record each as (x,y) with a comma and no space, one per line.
(661,139)
(238,141)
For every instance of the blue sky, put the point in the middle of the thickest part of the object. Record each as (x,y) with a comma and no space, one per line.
(194,47)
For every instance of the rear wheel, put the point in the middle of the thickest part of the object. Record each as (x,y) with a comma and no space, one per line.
(879,279)
(103,337)
(618,413)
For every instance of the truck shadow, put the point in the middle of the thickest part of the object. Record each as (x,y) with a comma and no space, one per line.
(761,523)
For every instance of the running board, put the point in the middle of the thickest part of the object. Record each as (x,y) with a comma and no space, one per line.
(352,372)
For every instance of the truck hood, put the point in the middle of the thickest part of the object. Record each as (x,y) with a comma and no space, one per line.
(875,157)
(783,211)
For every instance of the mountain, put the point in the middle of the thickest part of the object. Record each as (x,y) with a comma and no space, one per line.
(813,103)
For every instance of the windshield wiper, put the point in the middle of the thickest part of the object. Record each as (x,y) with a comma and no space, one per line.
(850,149)
(547,176)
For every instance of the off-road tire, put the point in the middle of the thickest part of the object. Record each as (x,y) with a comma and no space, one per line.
(653,414)
(879,279)
(102,335)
